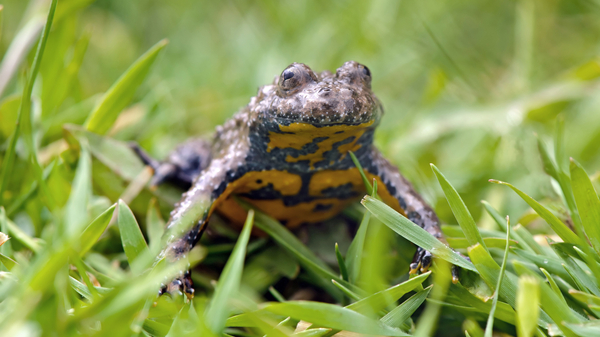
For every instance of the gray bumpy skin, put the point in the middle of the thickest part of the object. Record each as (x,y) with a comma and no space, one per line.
(286,153)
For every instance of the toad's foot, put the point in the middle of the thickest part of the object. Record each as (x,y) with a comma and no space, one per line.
(422,261)
(182,165)
(181,285)
(163,171)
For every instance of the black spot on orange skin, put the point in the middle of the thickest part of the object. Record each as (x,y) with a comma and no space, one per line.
(322,207)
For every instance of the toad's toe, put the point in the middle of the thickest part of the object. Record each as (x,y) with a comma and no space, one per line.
(180,285)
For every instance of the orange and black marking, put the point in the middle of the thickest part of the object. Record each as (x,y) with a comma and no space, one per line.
(301,173)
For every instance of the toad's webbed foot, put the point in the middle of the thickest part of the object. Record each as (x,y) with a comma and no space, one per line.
(181,285)
(422,261)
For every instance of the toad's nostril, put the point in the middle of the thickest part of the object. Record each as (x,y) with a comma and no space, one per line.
(325,90)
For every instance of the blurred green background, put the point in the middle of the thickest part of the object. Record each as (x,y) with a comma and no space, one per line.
(465,84)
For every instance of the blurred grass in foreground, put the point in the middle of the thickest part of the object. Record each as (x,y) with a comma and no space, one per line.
(465,85)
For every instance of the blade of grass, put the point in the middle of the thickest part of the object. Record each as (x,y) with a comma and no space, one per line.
(578,284)
(380,300)
(558,226)
(20,201)
(587,202)
(459,209)
(25,106)
(490,271)
(229,282)
(523,243)
(503,312)
(132,239)
(547,162)
(553,285)
(76,214)
(584,297)
(138,321)
(579,275)
(276,294)
(182,322)
(246,320)
(352,295)
(19,49)
(458,243)
(413,233)
(305,257)
(76,260)
(455,231)
(490,322)
(472,328)
(528,301)
(94,230)
(355,251)
(341,263)
(564,179)
(268,327)
(398,316)
(362,173)
(550,303)
(332,316)
(5,246)
(589,261)
(552,264)
(428,321)
(564,176)
(35,244)
(312,332)
(527,240)
(122,91)
(84,291)
(155,225)
(7,262)
(585,329)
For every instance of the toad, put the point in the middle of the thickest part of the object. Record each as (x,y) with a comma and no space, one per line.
(287,154)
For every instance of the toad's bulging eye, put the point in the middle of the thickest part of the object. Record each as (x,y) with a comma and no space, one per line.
(366,75)
(287,74)
(354,73)
(293,78)
(366,71)
(290,79)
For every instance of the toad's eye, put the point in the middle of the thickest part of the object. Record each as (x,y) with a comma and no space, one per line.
(354,73)
(294,77)
(366,71)
(290,79)
(287,74)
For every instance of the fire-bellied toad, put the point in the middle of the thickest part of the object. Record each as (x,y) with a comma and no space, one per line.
(286,153)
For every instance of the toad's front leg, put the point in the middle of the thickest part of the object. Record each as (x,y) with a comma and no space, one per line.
(190,216)
(401,195)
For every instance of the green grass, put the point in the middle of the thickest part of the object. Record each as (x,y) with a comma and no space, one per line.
(502,91)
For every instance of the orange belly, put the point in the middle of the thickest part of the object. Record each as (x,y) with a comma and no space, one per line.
(313,204)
